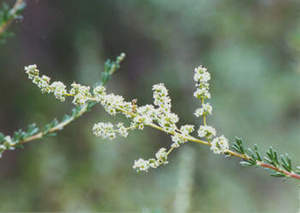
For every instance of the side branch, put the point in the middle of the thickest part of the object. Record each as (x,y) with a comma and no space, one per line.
(12,15)
(56,128)
(21,137)
(262,164)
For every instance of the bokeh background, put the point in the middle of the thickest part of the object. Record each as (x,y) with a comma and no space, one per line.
(252,50)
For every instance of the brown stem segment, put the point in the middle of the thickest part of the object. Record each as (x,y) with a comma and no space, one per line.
(264,165)
(269,166)
(13,10)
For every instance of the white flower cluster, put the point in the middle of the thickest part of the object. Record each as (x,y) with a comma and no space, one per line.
(145,116)
(220,144)
(99,91)
(32,71)
(59,90)
(163,115)
(145,165)
(206,109)
(161,97)
(206,132)
(7,144)
(158,115)
(57,87)
(182,135)
(201,77)
(112,103)
(107,130)
(80,93)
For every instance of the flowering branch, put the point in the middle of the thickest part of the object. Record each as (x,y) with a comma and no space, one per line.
(32,133)
(160,116)
(7,16)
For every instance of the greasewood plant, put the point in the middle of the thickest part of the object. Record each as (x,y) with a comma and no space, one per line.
(157,115)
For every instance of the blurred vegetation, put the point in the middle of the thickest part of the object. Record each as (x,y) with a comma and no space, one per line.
(252,49)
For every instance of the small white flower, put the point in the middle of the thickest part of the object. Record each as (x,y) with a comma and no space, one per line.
(104,130)
(187,129)
(200,69)
(2,147)
(172,118)
(207,108)
(175,145)
(162,156)
(204,110)
(202,93)
(206,131)
(80,99)
(153,163)
(8,139)
(112,103)
(167,120)
(99,92)
(122,130)
(32,71)
(145,115)
(160,88)
(9,143)
(199,112)
(141,165)
(161,98)
(216,150)
(201,74)
(81,93)
(178,139)
(42,83)
(219,145)
(138,122)
(59,90)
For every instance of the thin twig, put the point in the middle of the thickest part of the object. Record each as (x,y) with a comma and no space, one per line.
(12,12)
(59,127)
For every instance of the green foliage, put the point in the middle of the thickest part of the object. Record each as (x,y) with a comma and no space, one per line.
(110,67)
(281,164)
(238,146)
(7,15)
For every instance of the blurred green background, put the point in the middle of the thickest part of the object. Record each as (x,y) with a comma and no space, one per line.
(252,49)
